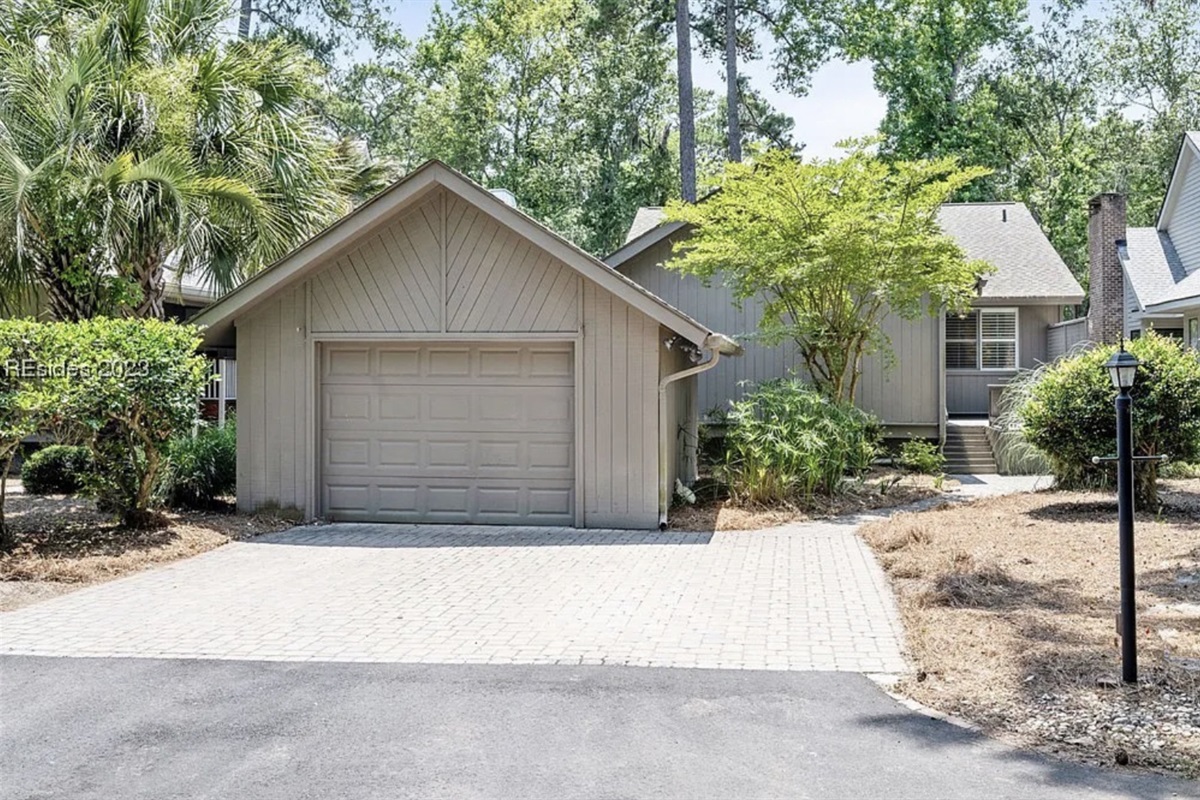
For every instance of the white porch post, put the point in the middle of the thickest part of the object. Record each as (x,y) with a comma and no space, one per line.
(222,391)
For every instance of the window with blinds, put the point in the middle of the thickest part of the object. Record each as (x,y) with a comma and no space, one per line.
(998,339)
(962,341)
(984,339)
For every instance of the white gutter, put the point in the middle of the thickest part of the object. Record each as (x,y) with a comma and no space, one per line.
(715,344)
(1167,306)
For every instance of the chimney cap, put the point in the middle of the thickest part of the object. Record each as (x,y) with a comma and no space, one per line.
(1101,197)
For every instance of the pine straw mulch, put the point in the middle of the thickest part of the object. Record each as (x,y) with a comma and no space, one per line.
(713,511)
(1009,606)
(64,543)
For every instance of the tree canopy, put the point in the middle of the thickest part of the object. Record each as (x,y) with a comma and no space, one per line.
(135,138)
(830,246)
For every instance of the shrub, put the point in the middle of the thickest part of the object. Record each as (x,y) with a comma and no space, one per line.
(786,440)
(202,468)
(921,455)
(57,469)
(1069,413)
(133,386)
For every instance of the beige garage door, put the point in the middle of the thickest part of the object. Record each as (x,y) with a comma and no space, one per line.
(448,433)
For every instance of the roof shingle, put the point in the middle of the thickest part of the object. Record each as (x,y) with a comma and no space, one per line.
(1004,234)
(1007,236)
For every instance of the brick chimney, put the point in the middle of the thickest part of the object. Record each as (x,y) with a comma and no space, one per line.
(1106,290)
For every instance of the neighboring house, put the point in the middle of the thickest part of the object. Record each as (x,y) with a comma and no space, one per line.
(1146,278)
(943,365)
(186,296)
(439,356)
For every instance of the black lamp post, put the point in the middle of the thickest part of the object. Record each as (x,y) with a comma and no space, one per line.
(1122,368)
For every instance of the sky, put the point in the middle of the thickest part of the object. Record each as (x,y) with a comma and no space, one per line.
(841,103)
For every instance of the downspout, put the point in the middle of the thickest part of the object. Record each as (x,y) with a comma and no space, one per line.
(715,345)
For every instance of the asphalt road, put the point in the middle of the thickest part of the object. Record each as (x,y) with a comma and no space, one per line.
(236,730)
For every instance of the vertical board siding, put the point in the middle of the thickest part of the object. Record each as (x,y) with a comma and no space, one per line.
(1062,338)
(904,393)
(679,399)
(620,386)
(902,389)
(497,281)
(714,307)
(272,444)
(426,274)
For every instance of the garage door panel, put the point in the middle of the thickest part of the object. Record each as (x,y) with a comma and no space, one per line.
(348,362)
(450,501)
(544,455)
(448,433)
(404,363)
(472,409)
(551,364)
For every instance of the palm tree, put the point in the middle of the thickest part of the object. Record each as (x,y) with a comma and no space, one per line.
(181,150)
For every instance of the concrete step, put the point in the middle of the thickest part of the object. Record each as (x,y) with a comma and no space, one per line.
(967,450)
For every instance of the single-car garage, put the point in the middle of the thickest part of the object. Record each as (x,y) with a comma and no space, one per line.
(448,432)
(438,356)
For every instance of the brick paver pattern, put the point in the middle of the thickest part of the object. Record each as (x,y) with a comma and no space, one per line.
(803,597)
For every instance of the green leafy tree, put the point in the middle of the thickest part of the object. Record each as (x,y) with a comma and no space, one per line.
(1068,414)
(925,55)
(830,247)
(567,103)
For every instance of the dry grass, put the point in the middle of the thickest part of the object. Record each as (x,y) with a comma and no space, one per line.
(880,489)
(1009,607)
(64,542)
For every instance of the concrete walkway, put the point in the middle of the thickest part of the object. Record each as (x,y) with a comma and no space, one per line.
(976,486)
(802,597)
(130,729)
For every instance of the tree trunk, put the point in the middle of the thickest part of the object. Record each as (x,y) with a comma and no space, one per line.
(687,112)
(244,19)
(8,539)
(150,279)
(732,105)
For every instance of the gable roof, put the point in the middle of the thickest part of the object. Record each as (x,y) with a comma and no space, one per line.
(1004,234)
(1189,151)
(344,234)
(1150,264)
(648,229)
(1007,236)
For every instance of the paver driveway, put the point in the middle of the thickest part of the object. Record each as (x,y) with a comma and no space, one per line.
(803,597)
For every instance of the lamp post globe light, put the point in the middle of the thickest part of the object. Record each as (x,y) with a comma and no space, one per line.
(1122,369)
